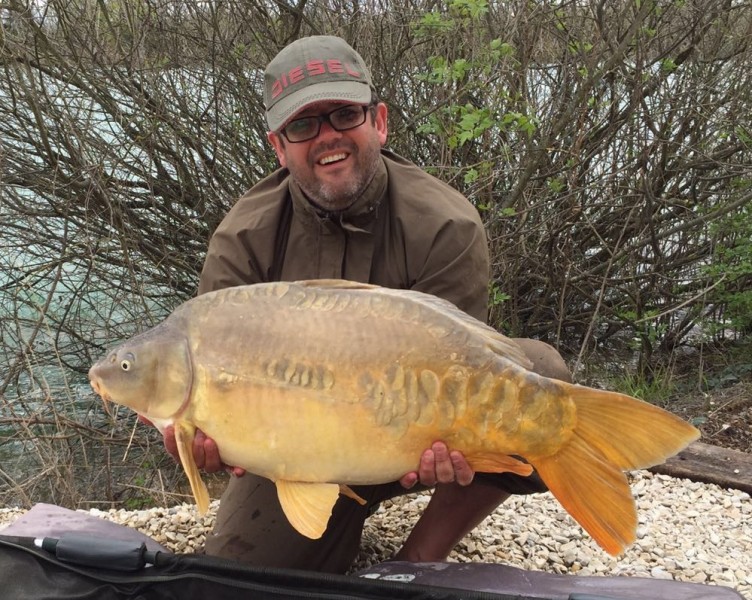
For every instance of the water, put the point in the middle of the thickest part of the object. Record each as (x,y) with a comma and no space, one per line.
(58,314)
(74,281)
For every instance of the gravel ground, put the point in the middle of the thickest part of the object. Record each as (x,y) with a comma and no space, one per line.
(687,531)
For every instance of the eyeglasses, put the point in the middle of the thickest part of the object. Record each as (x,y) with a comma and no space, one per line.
(341,119)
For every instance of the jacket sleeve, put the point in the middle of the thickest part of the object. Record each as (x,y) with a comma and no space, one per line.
(243,248)
(456,267)
(228,263)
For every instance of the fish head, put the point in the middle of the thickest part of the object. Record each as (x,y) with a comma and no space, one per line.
(150,373)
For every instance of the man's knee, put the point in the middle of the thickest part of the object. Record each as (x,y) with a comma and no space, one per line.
(545,358)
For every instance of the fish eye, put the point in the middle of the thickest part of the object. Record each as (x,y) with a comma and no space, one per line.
(127,362)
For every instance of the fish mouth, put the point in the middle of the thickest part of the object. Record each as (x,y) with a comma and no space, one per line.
(101,393)
(96,385)
(93,379)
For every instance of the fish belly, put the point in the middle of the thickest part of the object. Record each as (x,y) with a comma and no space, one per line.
(308,439)
(372,427)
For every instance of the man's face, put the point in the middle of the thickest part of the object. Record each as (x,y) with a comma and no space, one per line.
(334,167)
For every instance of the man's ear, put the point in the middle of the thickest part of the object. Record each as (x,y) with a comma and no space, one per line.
(279,147)
(380,122)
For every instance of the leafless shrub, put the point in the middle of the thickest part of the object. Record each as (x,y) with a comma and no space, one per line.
(607,145)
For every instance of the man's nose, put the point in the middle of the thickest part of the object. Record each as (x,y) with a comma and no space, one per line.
(327,130)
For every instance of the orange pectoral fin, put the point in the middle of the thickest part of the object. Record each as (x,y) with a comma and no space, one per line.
(487,462)
(184,438)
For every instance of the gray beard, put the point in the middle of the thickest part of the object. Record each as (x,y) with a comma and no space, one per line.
(339,198)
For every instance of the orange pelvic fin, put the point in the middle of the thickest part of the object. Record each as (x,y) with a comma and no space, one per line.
(307,506)
(613,433)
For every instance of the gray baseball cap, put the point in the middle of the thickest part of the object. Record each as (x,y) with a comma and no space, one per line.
(313,69)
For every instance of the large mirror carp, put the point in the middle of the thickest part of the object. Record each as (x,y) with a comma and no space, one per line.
(318,385)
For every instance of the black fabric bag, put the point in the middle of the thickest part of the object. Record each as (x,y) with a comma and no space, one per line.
(83,557)
(84,567)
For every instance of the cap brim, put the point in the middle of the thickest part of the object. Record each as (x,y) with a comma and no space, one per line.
(334,91)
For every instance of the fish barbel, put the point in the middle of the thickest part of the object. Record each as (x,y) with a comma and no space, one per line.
(318,385)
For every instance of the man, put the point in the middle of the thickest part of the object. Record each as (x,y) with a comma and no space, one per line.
(342,207)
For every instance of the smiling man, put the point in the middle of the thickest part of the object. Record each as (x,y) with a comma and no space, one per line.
(342,207)
(334,171)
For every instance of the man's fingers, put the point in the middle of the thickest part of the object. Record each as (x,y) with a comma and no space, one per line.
(212,462)
(438,465)
(463,472)
(205,452)
(427,468)
(169,441)
(237,471)
(444,466)
(409,480)
(199,455)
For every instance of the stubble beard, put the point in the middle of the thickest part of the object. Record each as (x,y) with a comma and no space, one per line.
(340,195)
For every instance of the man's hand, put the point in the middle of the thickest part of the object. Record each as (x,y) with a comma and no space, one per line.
(438,465)
(205,451)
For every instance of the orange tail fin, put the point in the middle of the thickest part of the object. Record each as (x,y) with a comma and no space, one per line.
(613,433)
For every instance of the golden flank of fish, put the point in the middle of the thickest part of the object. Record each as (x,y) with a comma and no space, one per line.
(320,384)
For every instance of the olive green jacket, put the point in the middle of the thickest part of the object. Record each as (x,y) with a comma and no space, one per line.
(408,230)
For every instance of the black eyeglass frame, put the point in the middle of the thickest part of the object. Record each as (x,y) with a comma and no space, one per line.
(326,118)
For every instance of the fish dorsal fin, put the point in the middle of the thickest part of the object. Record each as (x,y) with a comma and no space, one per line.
(184,438)
(307,506)
(336,284)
